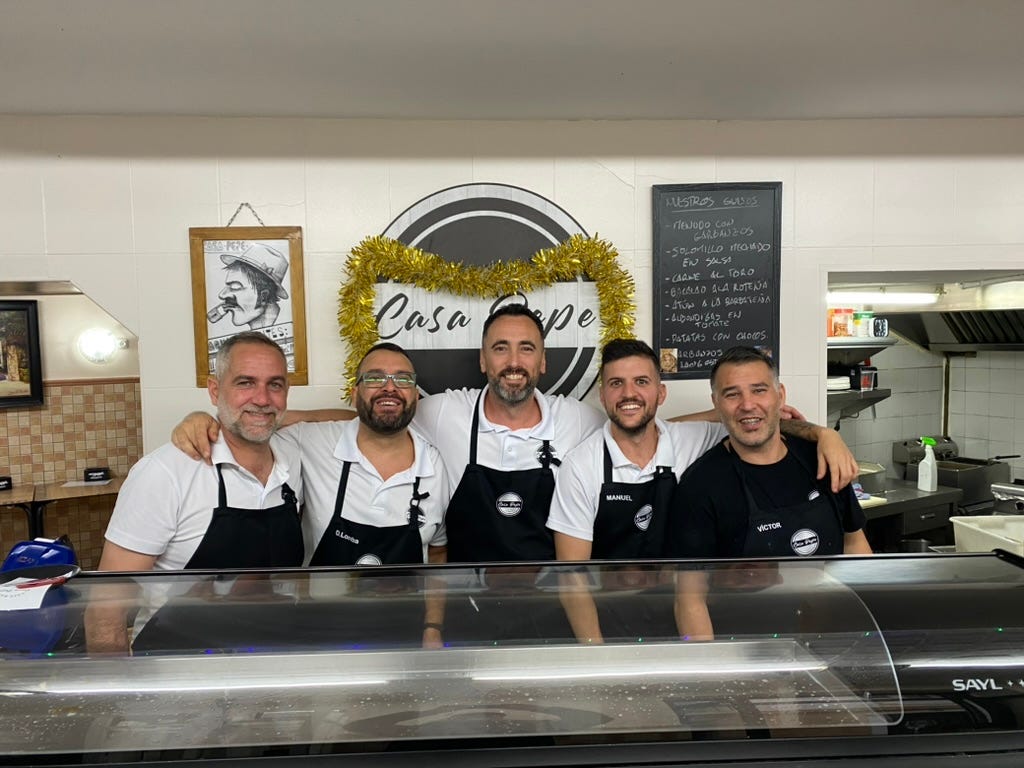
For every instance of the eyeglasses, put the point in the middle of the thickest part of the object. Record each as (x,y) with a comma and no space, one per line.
(377,379)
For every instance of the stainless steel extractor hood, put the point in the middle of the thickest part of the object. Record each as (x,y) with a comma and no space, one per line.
(973,315)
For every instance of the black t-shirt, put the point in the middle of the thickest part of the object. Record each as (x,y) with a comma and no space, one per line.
(709,510)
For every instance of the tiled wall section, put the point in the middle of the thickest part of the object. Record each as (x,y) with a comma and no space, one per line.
(986,405)
(81,424)
(914,408)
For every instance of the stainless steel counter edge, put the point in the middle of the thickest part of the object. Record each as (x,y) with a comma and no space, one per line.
(903,496)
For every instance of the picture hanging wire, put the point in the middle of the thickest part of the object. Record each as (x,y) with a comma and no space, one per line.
(238,210)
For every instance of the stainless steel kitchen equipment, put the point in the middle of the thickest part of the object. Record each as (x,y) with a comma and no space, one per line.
(973,476)
(871,476)
(1008,498)
(816,661)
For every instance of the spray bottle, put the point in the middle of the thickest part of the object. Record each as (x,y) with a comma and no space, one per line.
(927,470)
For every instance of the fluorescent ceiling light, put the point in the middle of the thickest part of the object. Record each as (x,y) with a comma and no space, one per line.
(844,298)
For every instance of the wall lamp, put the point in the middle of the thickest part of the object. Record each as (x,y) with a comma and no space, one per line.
(98,345)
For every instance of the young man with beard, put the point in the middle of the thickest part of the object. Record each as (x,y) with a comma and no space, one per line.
(614,489)
(756,493)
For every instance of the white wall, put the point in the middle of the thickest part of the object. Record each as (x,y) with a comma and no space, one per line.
(107,203)
(986,406)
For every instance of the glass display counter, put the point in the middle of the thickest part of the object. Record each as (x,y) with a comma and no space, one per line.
(831,659)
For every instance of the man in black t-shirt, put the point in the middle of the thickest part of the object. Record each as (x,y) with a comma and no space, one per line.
(755,493)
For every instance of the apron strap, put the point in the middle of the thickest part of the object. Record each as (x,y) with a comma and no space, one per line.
(339,500)
(475,428)
(222,495)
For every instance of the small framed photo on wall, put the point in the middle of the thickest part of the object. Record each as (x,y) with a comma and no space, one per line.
(248,279)
(21,368)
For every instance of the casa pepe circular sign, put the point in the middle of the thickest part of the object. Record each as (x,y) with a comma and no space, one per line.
(477,225)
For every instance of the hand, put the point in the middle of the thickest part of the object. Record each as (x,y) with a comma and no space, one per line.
(835,457)
(789,412)
(194,435)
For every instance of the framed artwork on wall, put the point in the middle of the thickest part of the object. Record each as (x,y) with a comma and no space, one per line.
(21,372)
(248,279)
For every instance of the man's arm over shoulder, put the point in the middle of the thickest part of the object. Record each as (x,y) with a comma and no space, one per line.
(834,458)
(198,431)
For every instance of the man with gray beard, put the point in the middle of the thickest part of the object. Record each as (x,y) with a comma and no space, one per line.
(242,511)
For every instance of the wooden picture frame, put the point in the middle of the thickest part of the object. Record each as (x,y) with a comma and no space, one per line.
(248,278)
(21,365)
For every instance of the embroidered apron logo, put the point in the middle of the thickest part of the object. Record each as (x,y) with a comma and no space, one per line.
(643,517)
(509,504)
(804,542)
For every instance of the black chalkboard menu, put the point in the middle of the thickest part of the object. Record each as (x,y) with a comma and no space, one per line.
(716,272)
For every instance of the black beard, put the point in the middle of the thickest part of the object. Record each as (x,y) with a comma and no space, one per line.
(638,429)
(388,424)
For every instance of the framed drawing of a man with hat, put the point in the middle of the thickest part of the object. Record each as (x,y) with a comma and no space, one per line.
(248,279)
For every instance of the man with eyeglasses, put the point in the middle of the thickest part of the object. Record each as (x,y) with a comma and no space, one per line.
(376,492)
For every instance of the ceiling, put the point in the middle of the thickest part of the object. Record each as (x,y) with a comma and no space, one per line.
(514,59)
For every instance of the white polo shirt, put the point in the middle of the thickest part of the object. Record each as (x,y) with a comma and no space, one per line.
(578,488)
(166,503)
(369,499)
(446,418)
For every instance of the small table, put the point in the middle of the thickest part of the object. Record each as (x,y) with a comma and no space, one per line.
(47,493)
(20,496)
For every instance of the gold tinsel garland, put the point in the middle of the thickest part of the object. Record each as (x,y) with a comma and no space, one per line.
(381,257)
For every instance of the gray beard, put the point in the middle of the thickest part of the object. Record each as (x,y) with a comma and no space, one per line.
(512,397)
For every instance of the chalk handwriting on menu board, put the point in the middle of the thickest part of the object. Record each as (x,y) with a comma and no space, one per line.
(716,272)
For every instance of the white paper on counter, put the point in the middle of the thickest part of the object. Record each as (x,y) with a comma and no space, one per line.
(84,483)
(14,599)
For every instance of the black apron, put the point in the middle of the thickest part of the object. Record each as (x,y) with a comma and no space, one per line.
(812,527)
(632,524)
(632,518)
(346,542)
(501,516)
(235,538)
(388,609)
(250,538)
